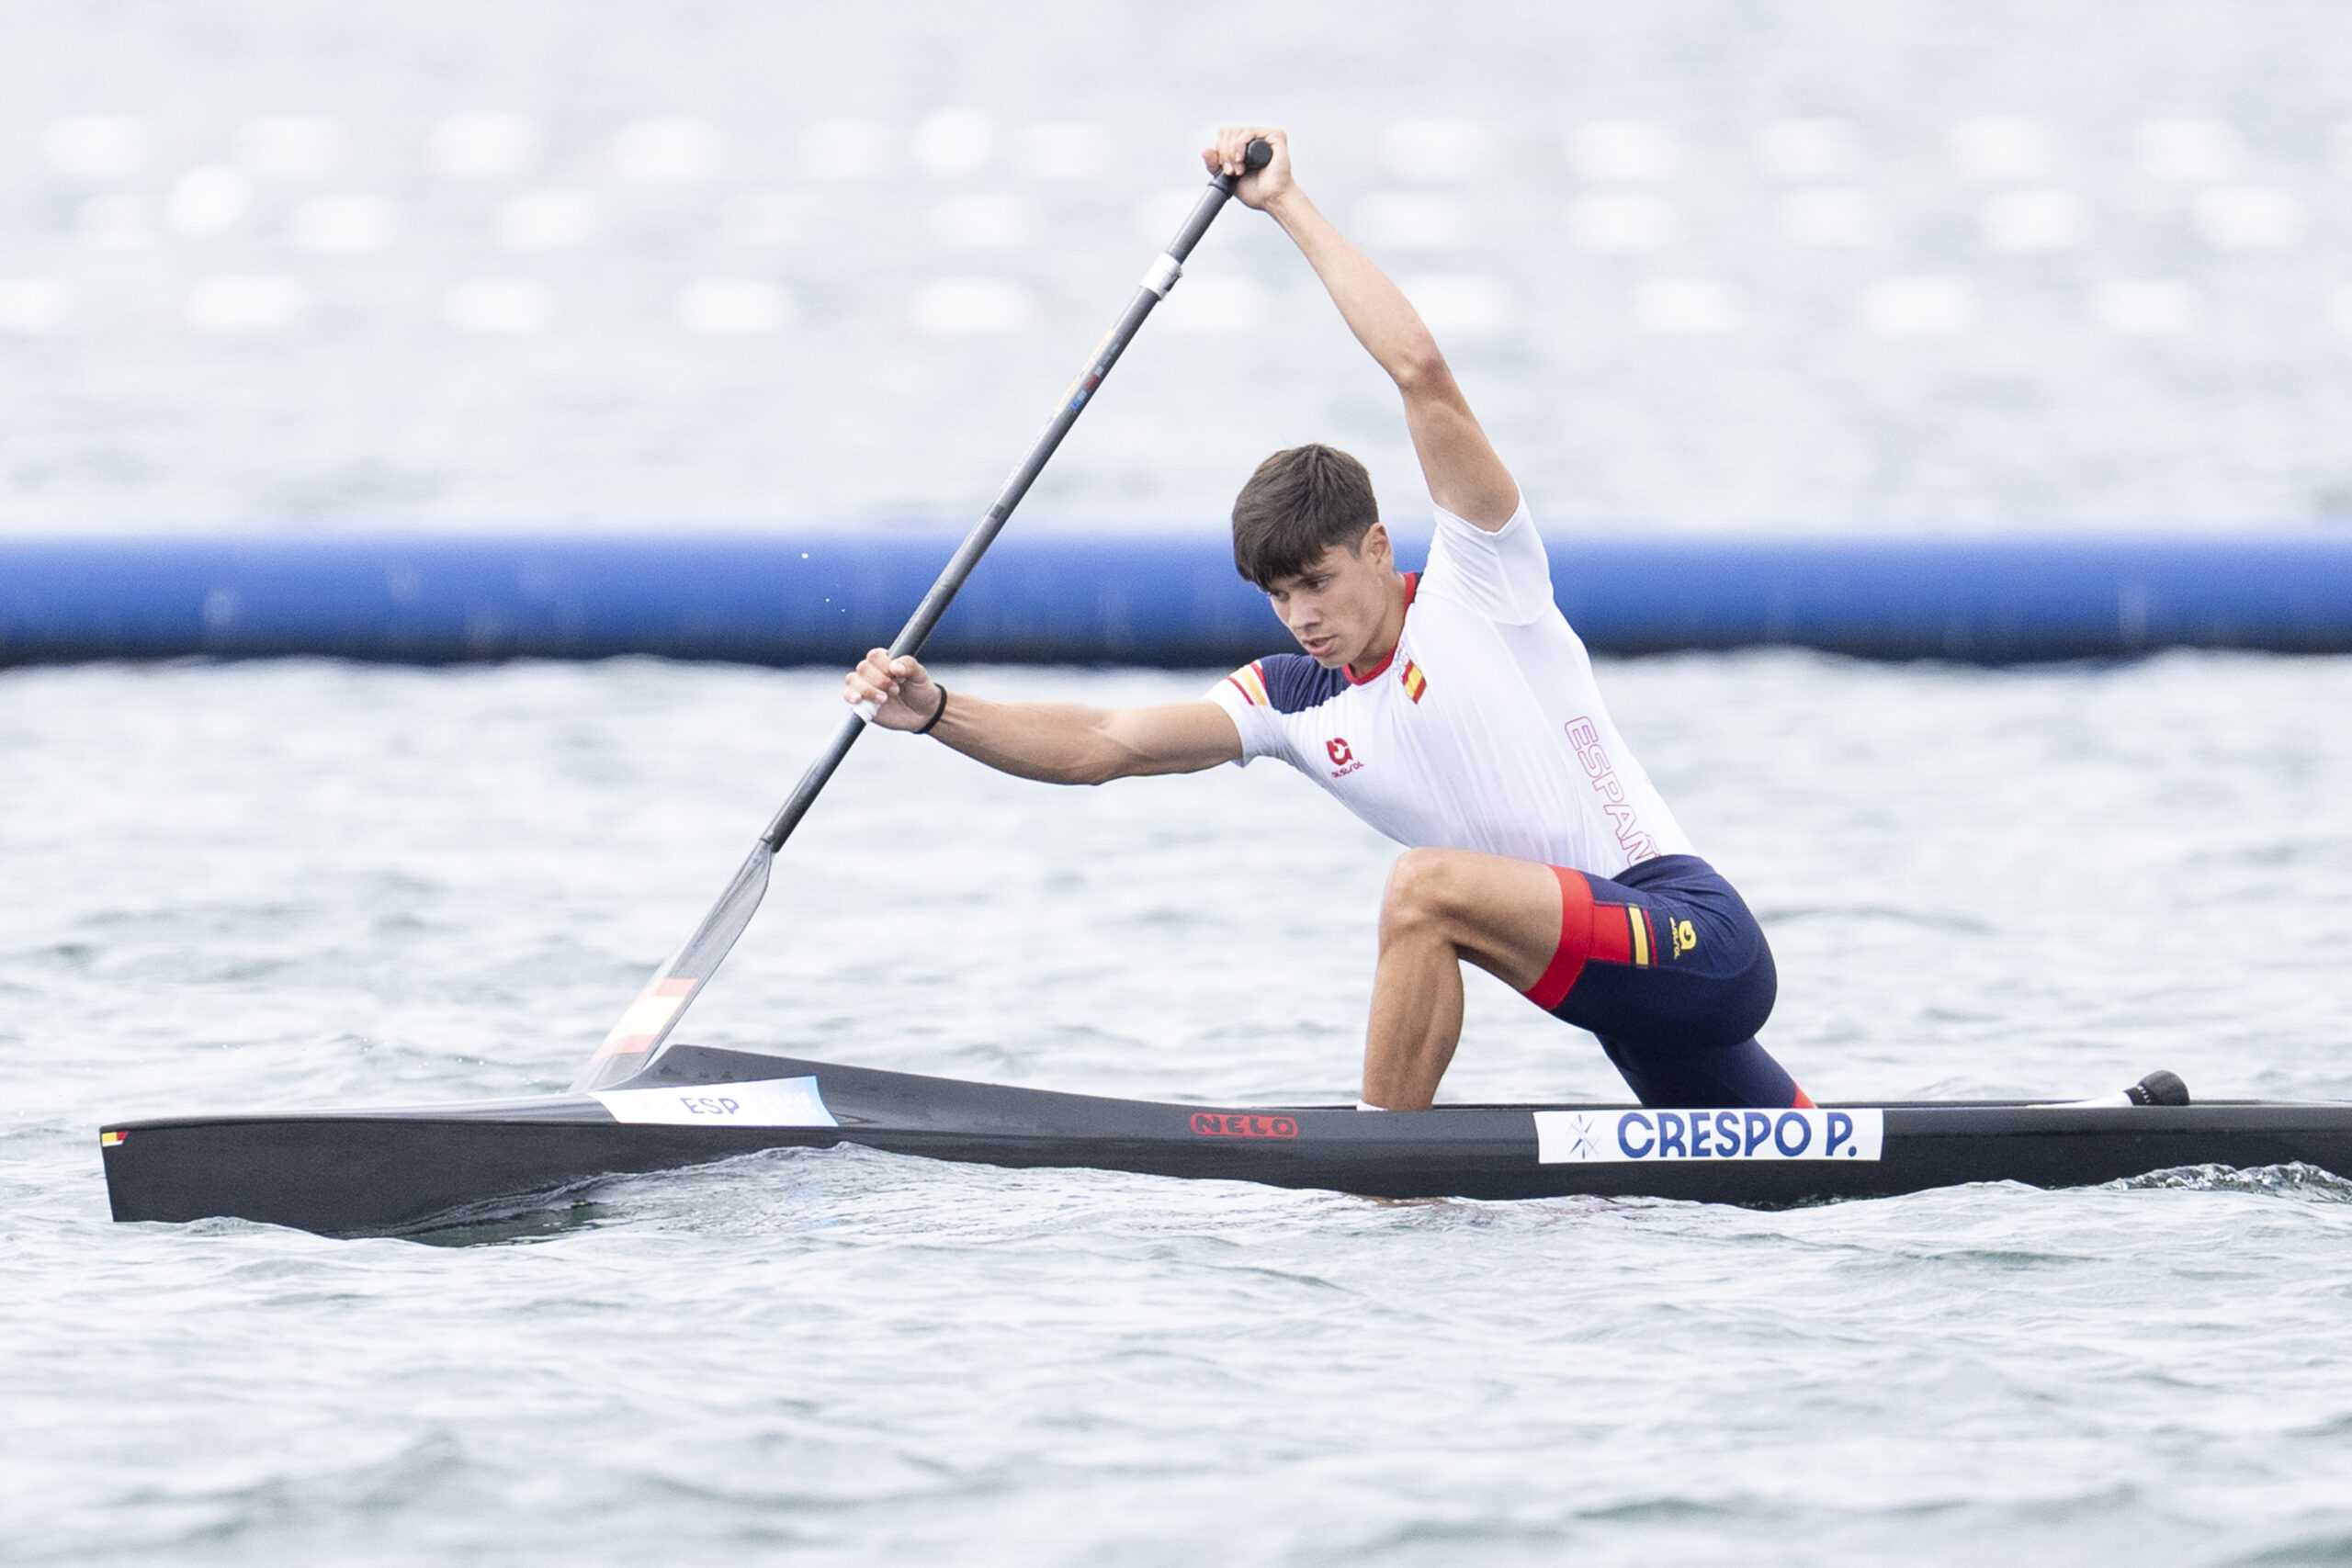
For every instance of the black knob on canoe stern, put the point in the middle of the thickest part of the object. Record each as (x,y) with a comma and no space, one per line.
(2159,1088)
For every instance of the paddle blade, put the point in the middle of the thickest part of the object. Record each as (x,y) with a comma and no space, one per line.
(656,1011)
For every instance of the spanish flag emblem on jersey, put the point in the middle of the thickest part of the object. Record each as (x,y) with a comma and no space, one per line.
(1250,682)
(1415,681)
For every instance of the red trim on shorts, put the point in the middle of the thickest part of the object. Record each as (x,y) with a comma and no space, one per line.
(1804,1102)
(1591,934)
(1613,933)
(1559,977)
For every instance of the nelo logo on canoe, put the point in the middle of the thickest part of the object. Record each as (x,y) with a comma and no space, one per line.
(1223,1124)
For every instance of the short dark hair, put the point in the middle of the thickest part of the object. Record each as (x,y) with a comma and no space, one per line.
(1298,505)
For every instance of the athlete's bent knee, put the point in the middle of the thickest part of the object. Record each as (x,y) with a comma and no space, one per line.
(1420,894)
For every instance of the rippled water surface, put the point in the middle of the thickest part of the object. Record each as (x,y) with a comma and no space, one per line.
(289,884)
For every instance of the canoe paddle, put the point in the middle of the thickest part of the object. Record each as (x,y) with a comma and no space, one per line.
(649,1020)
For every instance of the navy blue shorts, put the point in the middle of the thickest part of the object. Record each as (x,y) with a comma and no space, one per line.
(1668,966)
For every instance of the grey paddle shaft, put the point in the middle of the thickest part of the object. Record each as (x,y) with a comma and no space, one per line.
(918,629)
(645,1026)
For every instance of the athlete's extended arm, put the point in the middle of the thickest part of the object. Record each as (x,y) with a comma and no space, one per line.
(1464,475)
(1058,742)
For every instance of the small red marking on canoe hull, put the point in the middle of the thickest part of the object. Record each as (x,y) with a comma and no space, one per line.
(1222,1124)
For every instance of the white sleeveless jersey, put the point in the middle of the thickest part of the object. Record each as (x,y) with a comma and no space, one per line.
(1483,730)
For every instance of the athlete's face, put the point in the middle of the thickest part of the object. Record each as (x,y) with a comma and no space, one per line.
(1339,606)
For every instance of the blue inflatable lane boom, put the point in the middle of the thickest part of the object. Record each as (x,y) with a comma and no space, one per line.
(1171,599)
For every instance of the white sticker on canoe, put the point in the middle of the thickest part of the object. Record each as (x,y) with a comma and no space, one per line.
(769,1102)
(1623,1137)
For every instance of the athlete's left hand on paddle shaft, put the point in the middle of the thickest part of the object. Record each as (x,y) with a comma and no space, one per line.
(902,687)
(1226,158)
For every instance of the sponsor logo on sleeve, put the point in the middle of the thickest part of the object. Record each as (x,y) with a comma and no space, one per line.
(1343,760)
(1230,1124)
(1646,1137)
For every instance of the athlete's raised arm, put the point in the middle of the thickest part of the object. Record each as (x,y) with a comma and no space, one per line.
(1464,475)
(1058,742)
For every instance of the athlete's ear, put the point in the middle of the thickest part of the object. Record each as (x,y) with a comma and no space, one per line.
(1376,547)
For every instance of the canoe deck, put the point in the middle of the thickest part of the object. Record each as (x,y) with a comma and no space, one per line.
(389,1171)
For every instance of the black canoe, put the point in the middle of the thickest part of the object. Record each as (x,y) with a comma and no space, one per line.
(374,1172)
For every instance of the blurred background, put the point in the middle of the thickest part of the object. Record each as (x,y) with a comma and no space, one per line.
(1927,265)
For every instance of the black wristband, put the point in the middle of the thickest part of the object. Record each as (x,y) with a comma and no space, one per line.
(936,713)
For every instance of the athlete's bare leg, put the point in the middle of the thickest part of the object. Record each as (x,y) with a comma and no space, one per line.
(1443,908)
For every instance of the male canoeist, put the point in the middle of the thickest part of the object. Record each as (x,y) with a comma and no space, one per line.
(1453,710)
